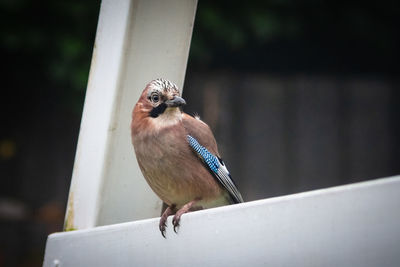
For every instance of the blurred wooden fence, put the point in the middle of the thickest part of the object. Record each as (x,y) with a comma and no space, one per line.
(286,134)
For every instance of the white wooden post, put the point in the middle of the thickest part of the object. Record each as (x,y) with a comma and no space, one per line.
(136,41)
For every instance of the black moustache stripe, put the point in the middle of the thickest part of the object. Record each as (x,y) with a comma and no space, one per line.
(155,112)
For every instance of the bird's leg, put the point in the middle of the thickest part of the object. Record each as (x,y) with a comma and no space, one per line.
(163,208)
(186,208)
(169,211)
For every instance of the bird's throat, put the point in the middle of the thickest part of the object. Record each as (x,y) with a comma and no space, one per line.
(169,117)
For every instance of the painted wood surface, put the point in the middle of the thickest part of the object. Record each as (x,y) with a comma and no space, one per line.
(351,225)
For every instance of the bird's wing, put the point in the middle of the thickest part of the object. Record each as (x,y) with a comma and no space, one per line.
(201,132)
(203,143)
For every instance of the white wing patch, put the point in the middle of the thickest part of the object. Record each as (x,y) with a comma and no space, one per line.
(225,178)
(217,168)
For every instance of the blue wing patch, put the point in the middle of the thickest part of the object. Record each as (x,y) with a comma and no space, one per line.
(209,159)
(218,168)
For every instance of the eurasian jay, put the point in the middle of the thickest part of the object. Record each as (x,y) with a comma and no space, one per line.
(178,154)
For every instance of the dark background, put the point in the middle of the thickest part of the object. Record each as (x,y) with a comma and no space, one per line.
(300,95)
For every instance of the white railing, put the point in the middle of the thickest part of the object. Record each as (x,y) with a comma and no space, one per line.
(352,225)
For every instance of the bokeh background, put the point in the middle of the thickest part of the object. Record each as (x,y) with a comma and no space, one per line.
(300,95)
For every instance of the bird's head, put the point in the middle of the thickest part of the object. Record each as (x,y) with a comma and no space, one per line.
(161,95)
(160,102)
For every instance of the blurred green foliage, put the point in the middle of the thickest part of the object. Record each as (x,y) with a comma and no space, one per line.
(297,36)
(48,45)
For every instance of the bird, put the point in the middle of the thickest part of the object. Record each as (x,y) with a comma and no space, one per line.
(178,155)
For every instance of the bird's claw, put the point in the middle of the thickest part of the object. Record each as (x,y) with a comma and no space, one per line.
(162,227)
(175,222)
(162,230)
(175,228)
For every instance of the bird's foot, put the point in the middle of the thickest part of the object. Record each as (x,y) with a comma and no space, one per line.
(163,220)
(186,208)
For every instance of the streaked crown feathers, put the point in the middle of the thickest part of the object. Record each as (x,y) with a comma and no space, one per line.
(163,86)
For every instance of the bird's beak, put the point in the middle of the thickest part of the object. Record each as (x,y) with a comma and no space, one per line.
(176,101)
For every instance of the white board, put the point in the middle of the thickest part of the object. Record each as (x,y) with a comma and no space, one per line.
(352,225)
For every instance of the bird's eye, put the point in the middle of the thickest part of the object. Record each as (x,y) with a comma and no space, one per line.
(155,98)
